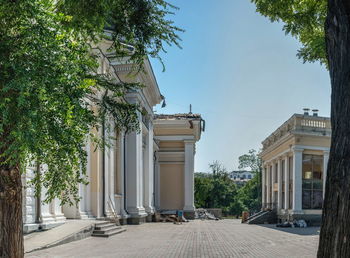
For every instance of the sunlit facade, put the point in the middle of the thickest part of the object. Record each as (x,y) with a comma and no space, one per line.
(295,159)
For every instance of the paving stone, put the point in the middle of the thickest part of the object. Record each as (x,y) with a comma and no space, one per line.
(225,238)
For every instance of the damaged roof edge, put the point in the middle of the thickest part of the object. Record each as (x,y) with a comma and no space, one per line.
(178,116)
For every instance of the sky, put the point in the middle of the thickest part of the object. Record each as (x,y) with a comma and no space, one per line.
(241,73)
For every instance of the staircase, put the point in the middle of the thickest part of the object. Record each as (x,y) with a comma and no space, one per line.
(107,229)
(263,217)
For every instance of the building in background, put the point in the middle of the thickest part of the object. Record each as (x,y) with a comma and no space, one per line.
(241,176)
(144,171)
(176,137)
(295,158)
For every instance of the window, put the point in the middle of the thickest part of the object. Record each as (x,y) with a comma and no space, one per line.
(312,181)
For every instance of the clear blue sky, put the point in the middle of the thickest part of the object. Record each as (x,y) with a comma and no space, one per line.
(241,73)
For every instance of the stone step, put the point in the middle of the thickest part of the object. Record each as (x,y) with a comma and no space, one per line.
(105,226)
(108,233)
(101,223)
(105,230)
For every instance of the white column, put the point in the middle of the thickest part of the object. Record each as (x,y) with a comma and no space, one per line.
(29,201)
(297,179)
(134,174)
(57,210)
(110,169)
(122,171)
(157,181)
(286,183)
(279,182)
(189,176)
(82,210)
(273,177)
(268,186)
(263,183)
(325,166)
(46,208)
(149,171)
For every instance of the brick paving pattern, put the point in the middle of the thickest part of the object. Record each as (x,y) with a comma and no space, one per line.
(225,238)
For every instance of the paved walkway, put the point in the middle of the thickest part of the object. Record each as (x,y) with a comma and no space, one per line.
(225,238)
(39,240)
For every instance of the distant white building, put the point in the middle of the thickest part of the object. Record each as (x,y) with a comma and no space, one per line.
(241,175)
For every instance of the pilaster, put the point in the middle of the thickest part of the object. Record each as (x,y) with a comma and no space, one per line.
(279,182)
(189,176)
(149,171)
(325,167)
(134,180)
(286,184)
(263,188)
(268,185)
(297,180)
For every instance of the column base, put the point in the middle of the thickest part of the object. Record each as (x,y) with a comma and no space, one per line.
(60,218)
(297,212)
(30,227)
(189,208)
(49,225)
(85,215)
(136,220)
(149,210)
(137,212)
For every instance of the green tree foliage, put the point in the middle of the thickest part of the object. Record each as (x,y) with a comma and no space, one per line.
(51,97)
(214,190)
(304,20)
(249,195)
(48,82)
(217,190)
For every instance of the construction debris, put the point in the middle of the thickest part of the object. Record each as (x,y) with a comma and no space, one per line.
(204,214)
(295,224)
(170,216)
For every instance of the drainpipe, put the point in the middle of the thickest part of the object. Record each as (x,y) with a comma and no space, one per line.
(103,169)
(38,218)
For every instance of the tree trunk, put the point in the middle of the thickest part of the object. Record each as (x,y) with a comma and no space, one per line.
(335,230)
(11,228)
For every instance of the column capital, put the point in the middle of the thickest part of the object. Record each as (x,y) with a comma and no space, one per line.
(297,149)
(286,155)
(326,152)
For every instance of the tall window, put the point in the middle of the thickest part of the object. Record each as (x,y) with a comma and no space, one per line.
(312,181)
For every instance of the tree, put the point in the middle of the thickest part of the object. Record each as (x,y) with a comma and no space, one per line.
(214,190)
(323,27)
(250,194)
(51,97)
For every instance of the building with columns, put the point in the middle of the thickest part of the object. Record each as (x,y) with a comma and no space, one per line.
(176,137)
(141,172)
(295,158)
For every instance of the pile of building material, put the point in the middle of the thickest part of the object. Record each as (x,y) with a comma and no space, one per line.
(204,214)
(169,216)
(295,224)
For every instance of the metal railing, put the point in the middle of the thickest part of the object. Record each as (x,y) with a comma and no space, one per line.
(114,213)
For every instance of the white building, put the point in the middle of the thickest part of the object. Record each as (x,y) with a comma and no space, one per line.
(295,159)
(241,176)
(141,172)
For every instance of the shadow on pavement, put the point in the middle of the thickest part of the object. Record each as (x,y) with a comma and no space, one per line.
(309,231)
